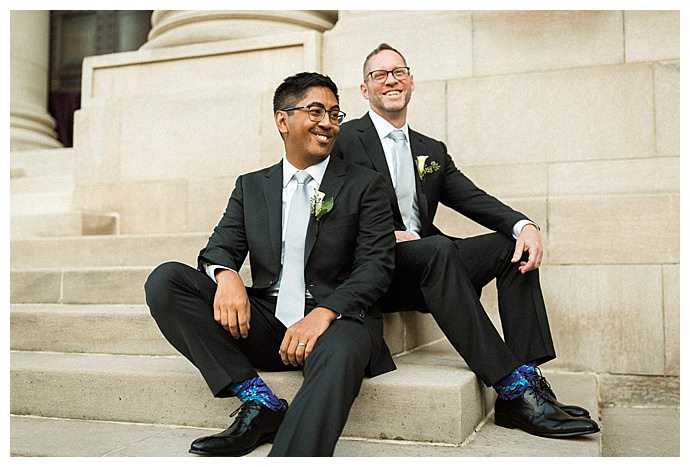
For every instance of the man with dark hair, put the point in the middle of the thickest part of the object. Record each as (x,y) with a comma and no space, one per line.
(319,233)
(443,275)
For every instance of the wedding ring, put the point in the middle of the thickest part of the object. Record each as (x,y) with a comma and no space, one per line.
(301,343)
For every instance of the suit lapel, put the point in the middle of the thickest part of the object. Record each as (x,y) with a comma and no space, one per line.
(273,196)
(418,148)
(372,145)
(331,184)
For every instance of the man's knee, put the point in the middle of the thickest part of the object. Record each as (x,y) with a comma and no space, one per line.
(159,284)
(441,244)
(441,250)
(503,246)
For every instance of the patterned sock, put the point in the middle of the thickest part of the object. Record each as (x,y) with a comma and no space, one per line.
(512,386)
(528,370)
(255,389)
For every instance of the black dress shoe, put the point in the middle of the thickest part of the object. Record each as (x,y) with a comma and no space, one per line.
(255,425)
(534,413)
(545,388)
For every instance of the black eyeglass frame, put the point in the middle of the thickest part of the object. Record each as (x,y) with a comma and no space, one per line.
(391,72)
(340,115)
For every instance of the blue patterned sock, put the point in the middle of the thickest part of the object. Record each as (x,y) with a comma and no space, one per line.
(255,389)
(512,386)
(528,370)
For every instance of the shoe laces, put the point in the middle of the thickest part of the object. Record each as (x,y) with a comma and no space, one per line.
(242,410)
(543,385)
(540,392)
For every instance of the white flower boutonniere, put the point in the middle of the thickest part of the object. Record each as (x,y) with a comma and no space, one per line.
(423,169)
(320,206)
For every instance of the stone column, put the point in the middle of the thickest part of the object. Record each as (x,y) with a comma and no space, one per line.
(181,27)
(31,126)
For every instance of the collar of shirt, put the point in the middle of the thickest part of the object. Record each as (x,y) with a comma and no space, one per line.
(316,171)
(383,126)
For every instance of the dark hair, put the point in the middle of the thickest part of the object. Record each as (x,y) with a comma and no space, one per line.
(294,88)
(381,47)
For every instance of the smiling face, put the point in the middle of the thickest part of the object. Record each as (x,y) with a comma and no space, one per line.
(307,142)
(389,99)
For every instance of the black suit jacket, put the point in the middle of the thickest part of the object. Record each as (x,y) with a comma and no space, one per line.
(349,252)
(358,142)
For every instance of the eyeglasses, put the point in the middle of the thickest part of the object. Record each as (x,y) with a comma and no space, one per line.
(316,113)
(401,73)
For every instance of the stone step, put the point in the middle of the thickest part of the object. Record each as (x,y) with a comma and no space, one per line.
(116,285)
(107,329)
(106,250)
(420,401)
(45,183)
(72,223)
(130,330)
(44,162)
(45,202)
(56,437)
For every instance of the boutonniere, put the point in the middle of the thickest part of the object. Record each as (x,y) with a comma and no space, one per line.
(320,206)
(423,169)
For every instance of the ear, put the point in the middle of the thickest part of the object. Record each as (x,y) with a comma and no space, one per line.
(411,83)
(281,121)
(363,89)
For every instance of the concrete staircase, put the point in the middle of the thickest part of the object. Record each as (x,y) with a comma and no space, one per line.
(42,197)
(83,347)
(87,360)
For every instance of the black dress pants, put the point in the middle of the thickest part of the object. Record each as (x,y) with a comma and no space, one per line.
(181,302)
(445,277)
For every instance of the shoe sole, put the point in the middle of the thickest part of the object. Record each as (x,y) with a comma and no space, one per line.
(507,423)
(244,452)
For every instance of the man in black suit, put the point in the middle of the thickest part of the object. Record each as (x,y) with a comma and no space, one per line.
(317,272)
(443,275)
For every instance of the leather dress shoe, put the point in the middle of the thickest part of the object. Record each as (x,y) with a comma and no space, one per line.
(545,388)
(534,413)
(255,425)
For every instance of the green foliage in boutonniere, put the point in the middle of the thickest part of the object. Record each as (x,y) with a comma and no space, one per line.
(319,206)
(423,169)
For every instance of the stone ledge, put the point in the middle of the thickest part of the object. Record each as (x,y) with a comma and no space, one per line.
(416,402)
(630,390)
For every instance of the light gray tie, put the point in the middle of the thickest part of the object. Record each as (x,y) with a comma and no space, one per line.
(404,175)
(290,306)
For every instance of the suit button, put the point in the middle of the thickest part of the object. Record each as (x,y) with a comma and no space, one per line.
(361,314)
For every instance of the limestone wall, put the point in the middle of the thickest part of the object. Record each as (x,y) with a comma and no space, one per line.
(571,117)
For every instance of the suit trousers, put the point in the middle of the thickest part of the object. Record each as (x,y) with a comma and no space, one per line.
(181,302)
(445,277)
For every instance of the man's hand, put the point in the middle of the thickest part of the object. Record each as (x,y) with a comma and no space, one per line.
(530,241)
(301,337)
(231,304)
(405,236)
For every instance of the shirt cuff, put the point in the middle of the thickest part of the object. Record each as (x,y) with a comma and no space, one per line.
(211,270)
(517,228)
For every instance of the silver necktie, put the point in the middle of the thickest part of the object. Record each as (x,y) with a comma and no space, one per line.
(290,306)
(404,175)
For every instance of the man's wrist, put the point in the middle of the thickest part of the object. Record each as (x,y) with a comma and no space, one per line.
(519,225)
(222,275)
(326,313)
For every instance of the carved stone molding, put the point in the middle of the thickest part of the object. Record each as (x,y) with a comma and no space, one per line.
(182,27)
